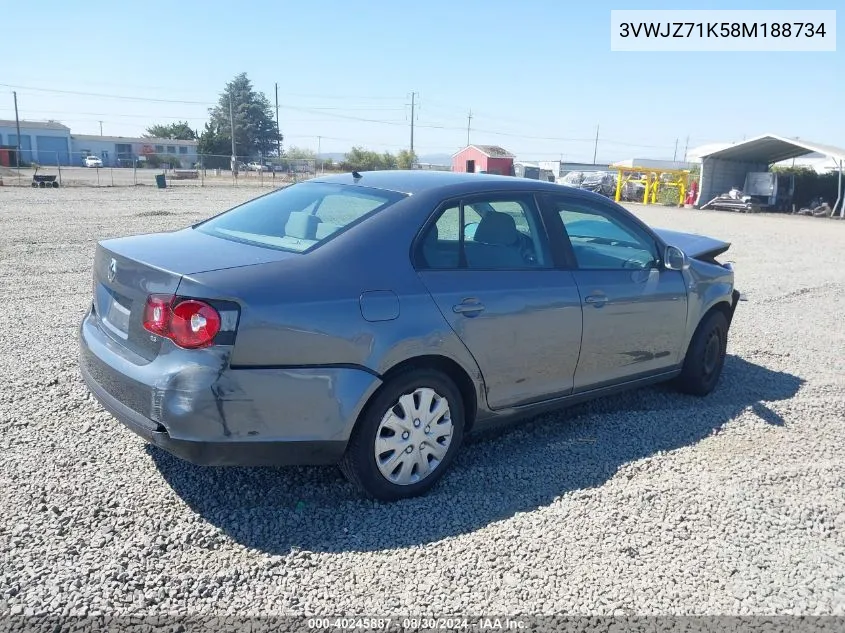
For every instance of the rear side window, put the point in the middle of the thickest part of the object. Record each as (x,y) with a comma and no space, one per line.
(299,217)
(497,232)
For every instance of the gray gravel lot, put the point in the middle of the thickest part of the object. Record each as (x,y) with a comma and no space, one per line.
(650,502)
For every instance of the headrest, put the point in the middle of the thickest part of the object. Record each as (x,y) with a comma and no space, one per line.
(497,228)
(302,225)
(324,230)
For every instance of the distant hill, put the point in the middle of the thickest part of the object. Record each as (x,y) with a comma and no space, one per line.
(436,159)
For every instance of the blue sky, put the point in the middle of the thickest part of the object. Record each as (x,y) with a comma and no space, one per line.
(533,74)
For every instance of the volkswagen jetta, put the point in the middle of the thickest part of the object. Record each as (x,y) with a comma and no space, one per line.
(372,320)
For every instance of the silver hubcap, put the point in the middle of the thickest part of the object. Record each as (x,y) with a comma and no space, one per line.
(413,437)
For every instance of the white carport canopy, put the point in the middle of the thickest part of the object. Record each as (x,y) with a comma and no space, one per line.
(727,167)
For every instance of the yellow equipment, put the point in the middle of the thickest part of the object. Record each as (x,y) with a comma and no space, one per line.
(652,182)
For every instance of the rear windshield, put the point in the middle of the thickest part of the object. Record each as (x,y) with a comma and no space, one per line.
(299,217)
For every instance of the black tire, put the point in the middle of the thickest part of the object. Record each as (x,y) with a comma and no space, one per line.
(359,462)
(705,356)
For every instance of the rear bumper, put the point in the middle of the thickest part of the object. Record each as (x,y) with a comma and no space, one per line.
(184,403)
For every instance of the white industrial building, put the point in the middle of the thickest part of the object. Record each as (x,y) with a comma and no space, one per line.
(560,168)
(650,163)
(122,150)
(52,143)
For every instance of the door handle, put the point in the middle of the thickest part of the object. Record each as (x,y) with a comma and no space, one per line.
(596,300)
(468,306)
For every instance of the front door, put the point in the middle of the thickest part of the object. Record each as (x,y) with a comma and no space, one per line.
(486,263)
(635,310)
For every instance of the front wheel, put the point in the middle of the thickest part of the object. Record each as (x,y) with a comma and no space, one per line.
(705,356)
(407,436)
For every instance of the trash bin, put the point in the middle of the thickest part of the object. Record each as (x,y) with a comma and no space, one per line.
(160,182)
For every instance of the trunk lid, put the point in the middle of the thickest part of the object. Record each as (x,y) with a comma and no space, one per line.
(127,270)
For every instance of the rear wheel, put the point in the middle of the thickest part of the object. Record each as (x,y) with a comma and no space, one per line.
(407,436)
(705,356)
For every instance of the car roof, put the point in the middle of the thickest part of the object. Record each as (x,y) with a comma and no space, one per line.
(420,180)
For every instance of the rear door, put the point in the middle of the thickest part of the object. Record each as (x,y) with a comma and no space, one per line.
(486,262)
(635,310)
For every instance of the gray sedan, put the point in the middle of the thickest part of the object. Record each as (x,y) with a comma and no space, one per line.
(373,320)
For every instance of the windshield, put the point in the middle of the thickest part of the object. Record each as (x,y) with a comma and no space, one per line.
(299,217)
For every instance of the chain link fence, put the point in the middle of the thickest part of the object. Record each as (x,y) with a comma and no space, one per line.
(57,169)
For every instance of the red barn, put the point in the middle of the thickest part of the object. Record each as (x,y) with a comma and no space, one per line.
(490,159)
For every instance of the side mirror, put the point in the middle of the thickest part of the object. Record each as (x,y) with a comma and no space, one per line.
(675,259)
(469,230)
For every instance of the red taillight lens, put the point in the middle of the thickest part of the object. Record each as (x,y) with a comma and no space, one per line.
(190,323)
(157,314)
(194,324)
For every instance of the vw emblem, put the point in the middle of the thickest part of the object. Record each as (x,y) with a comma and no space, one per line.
(112,269)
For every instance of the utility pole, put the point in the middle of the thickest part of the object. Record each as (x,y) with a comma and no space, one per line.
(101,128)
(18,128)
(232,127)
(319,145)
(278,129)
(675,155)
(469,121)
(596,146)
(686,148)
(413,95)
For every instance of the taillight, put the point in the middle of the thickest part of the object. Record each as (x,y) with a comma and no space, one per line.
(189,323)
(157,314)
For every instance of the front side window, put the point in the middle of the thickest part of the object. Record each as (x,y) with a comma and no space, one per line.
(602,240)
(493,233)
(299,217)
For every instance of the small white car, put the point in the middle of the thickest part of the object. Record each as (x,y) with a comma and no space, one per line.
(92,161)
(255,166)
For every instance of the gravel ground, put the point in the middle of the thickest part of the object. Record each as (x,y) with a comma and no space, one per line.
(646,503)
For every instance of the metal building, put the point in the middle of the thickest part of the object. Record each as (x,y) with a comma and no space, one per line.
(490,159)
(726,168)
(42,142)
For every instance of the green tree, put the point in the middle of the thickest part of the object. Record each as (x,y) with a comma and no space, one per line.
(406,159)
(388,161)
(179,131)
(215,147)
(255,128)
(360,159)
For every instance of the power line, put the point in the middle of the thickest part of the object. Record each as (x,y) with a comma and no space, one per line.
(183,101)
(106,96)
(329,111)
